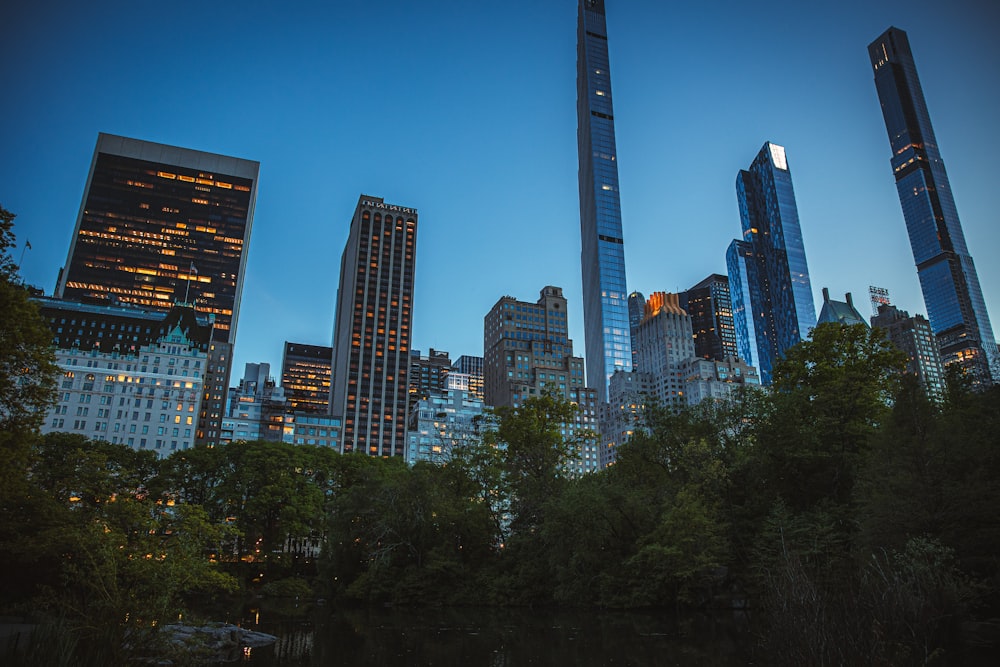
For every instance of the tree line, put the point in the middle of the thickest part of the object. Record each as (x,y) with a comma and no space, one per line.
(857,520)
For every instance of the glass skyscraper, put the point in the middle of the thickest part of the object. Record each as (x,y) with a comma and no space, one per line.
(739,258)
(769,279)
(605,299)
(948,279)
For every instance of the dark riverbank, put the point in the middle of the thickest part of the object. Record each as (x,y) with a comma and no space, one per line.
(496,637)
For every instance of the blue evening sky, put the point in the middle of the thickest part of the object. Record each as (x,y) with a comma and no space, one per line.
(466,111)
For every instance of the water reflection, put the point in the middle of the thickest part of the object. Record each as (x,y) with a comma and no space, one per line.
(494,638)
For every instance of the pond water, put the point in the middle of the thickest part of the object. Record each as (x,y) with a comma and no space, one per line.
(494,637)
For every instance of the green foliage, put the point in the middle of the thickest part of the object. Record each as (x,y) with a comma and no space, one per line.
(8,270)
(406,535)
(290,587)
(831,393)
(267,490)
(898,608)
(935,470)
(27,364)
(852,511)
(534,455)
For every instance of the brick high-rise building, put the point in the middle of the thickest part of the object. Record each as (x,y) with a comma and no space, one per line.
(527,352)
(371,348)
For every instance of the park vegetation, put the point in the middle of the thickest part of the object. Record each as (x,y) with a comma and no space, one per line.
(855,519)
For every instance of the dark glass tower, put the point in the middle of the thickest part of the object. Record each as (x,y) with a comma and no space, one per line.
(769,265)
(605,305)
(371,335)
(161,225)
(948,279)
(636,310)
(740,262)
(305,376)
(711,310)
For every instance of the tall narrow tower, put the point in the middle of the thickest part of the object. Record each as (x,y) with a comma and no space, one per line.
(768,267)
(160,225)
(948,279)
(605,299)
(371,335)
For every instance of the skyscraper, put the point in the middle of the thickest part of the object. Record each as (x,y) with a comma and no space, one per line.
(711,310)
(948,279)
(371,336)
(772,298)
(605,306)
(160,225)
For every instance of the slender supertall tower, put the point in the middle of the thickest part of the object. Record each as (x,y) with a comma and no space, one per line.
(948,279)
(605,299)
(371,334)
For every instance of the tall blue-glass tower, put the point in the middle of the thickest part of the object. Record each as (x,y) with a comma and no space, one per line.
(740,265)
(769,279)
(955,305)
(605,298)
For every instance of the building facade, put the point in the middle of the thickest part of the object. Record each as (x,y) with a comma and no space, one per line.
(371,350)
(716,379)
(666,342)
(255,409)
(769,278)
(671,375)
(310,428)
(428,373)
(528,352)
(130,376)
(710,307)
(471,366)
(605,305)
(629,395)
(305,377)
(914,336)
(159,225)
(443,420)
(948,278)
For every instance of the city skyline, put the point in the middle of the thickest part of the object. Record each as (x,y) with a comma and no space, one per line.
(687,119)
